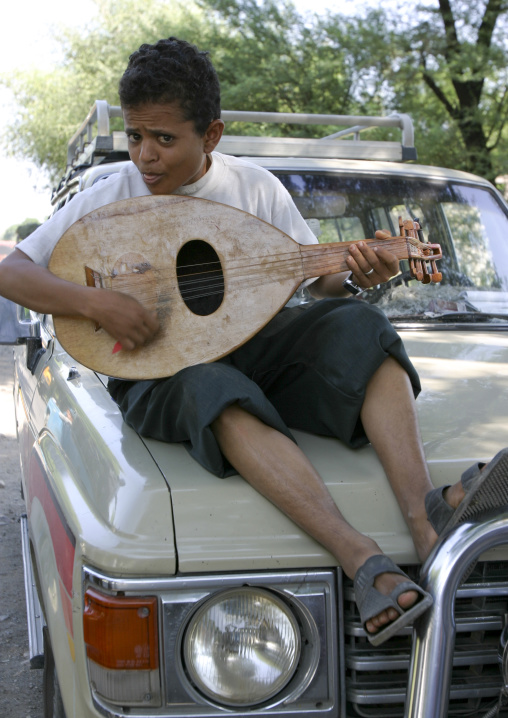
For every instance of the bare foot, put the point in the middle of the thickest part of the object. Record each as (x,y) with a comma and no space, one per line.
(385,583)
(424,536)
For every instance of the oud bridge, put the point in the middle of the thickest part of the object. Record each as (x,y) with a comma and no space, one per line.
(131,274)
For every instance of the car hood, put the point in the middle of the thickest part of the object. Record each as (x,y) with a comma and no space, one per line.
(225,525)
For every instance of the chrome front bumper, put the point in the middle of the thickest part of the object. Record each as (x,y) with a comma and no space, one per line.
(434,634)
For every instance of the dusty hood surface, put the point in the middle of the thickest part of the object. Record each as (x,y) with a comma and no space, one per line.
(225,525)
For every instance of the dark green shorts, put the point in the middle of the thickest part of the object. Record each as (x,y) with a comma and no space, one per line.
(307,369)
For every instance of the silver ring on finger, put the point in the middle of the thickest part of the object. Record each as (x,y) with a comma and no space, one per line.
(369,272)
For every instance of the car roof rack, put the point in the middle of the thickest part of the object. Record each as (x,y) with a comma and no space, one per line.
(87,148)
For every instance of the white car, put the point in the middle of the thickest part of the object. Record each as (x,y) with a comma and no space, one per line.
(156,590)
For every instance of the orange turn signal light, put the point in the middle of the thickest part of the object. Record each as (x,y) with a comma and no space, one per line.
(121,632)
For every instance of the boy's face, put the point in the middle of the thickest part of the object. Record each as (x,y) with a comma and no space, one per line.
(165,148)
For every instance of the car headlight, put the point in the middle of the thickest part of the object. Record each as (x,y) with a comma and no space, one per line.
(242,646)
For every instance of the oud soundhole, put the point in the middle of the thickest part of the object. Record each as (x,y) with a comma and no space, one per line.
(200,277)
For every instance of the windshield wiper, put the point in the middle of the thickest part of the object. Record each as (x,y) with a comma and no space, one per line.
(451,317)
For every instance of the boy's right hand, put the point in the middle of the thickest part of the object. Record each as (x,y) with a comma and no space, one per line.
(123,317)
(30,285)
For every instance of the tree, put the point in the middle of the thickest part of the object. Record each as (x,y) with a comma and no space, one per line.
(266,57)
(447,67)
(478,104)
(269,59)
(51,104)
(445,64)
(21,231)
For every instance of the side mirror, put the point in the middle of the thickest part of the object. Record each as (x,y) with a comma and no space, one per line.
(16,323)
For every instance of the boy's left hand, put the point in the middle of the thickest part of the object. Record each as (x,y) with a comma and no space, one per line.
(371,266)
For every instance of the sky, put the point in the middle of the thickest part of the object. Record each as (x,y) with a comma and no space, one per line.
(27,42)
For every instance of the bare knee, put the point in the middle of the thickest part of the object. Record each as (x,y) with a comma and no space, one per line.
(228,420)
(238,425)
(390,374)
(390,365)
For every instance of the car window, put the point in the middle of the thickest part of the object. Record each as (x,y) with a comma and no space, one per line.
(468,221)
(477,237)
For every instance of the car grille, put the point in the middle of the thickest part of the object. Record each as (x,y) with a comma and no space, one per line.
(376,678)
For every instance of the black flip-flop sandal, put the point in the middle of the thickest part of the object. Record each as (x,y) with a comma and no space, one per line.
(485,486)
(372,602)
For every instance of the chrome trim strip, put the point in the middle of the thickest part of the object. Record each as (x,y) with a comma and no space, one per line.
(217,581)
(35,618)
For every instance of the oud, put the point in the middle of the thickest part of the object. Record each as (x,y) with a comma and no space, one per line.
(214,274)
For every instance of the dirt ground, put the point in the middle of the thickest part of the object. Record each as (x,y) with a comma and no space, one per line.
(20,686)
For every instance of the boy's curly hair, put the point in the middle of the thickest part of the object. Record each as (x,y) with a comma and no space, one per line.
(173,70)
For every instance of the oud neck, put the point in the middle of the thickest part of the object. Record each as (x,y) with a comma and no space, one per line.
(330,258)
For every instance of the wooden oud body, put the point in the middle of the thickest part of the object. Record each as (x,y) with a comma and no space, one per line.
(132,246)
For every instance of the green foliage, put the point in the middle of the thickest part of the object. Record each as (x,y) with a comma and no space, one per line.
(21,231)
(51,104)
(269,59)
(48,105)
(444,63)
(10,233)
(449,72)
(26,228)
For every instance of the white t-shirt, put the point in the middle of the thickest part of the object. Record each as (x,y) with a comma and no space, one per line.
(229,180)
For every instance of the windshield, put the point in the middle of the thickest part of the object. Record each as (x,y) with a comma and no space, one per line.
(469,222)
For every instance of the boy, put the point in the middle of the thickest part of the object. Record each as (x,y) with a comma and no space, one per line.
(308,368)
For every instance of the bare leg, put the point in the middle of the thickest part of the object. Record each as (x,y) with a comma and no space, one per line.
(390,422)
(279,470)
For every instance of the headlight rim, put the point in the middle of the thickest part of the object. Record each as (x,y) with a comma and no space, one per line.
(285,690)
